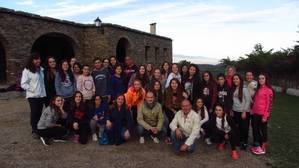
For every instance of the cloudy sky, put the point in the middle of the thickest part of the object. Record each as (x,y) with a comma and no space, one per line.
(200,29)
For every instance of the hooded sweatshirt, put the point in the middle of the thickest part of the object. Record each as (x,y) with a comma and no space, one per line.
(102,81)
(262,103)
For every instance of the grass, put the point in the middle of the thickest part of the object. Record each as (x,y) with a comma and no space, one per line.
(284,132)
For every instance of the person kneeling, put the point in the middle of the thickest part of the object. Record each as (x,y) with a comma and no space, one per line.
(150,118)
(185,129)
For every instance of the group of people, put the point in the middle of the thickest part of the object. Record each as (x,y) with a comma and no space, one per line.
(111,101)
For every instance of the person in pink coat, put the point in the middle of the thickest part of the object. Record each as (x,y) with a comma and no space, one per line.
(262,106)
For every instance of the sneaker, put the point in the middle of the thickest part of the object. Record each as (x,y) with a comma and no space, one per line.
(155,139)
(141,140)
(264,147)
(75,139)
(35,135)
(45,141)
(168,141)
(257,150)
(62,139)
(221,146)
(94,137)
(235,155)
(208,141)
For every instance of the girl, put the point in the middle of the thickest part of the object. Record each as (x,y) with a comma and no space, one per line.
(99,111)
(223,128)
(156,88)
(50,125)
(174,95)
(134,98)
(261,109)
(202,111)
(165,70)
(241,109)
(72,62)
(184,73)
(224,94)
(77,70)
(79,118)
(157,76)
(118,122)
(85,84)
(140,75)
(106,63)
(149,70)
(49,75)
(174,74)
(33,82)
(230,72)
(208,92)
(117,82)
(192,82)
(113,62)
(65,85)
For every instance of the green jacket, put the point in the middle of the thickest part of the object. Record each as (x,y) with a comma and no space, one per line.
(148,118)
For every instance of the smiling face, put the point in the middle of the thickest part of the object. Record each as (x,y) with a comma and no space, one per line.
(174,85)
(65,66)
(98,64)
(58,101)
(106,63)
(52,63)
(175,68)
(186,106)
(157,74)
(206,76)
(113,61)
(236,80)
(36,62)
(157,86)
(219,111)
(142,70)
(78,98)
(97,101)
(185,69)
(221,80)
(137,85)
(149,98)
(118,70)
(249,76)
(230,71)
(199,103)
(120,100)
(262,80)
(192,71)
(86,71)
(149,67)
(166,66)
(73,60)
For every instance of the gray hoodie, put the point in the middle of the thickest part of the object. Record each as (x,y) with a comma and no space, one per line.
(243,106)
(66,88)
(102,81)
(48,118)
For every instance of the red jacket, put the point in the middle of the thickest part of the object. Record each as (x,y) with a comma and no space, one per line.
(262,103)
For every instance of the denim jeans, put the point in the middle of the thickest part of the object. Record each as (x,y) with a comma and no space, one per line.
(177,143)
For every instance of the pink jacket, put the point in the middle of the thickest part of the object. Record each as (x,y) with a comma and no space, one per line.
(262,103)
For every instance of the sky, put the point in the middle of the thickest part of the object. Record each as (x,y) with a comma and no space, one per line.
(203,31)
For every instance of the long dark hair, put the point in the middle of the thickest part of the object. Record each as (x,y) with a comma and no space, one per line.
(69,71)
(196,70)
(223,76)
(53,106)
(163,72)
(202,109)
(211,78)
(30,66)
(48,71)
(224,114)
(74,106)
(240,90)
(143,78)
(158,94)
(123,106)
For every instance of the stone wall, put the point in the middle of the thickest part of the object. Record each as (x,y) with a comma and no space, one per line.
(19,31)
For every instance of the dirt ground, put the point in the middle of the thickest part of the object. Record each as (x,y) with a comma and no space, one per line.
(19,149)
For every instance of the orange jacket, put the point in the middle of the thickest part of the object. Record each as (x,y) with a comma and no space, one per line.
(134,98)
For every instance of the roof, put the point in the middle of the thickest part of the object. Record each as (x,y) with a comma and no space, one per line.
(45,18)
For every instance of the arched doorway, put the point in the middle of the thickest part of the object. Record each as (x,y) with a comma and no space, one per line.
(122,49)
(2,64)
(54,44)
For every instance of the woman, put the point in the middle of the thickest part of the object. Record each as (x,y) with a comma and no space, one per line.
(52,122)
(149,70)
(184,73)
(209,90)
(118,122)
(192,82)
(165,70)
(85,84)
(156,88)
(224,94)
(117,82)
(77,70)
(33,83)
(65,85)
(174,95)
(140,75)
(174,74)
(112,64)
(79,118)
(241,109)
(230,72)
(49,76)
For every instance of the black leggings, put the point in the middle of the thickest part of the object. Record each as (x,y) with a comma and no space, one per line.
(83,132)
(218,137)
(36,108)
(259,130)
(242,125)
(52,132)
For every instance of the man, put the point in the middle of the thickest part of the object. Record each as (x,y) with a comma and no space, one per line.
(129,69)
(185,129)
(150,118)
(101,77)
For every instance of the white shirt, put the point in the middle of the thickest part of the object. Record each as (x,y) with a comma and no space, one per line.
(189,125)
(226,128)
(171,76)
(33,83)
(205,119)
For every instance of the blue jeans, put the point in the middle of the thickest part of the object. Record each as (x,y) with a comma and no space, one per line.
(177,143)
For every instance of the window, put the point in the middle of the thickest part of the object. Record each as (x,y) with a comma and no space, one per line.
(146,53)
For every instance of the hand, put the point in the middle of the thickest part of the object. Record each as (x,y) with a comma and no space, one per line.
(154,130)
(226,136)
(185,95)
(95,117)
(75,126)
(127,134)
(243,115)
(184,148)
(178,134)
(61,105)
(108,124)
(264,120)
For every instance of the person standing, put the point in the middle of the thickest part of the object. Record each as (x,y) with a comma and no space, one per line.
(49,78)
(32,82)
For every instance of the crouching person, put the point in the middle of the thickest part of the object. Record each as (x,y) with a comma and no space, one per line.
(150,118)
(185,129)
(51,123)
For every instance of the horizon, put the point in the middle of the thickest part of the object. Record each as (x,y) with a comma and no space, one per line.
(202,31)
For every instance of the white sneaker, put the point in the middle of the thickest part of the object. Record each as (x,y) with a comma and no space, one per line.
(208,141)
(94,137)
(141,140)
(155,139)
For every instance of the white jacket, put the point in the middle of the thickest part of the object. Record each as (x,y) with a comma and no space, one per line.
(33,83)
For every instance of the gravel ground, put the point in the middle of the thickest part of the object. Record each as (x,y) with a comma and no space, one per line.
(18,149)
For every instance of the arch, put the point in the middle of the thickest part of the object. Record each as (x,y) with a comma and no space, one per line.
(3,66)
(122,49)
(54,44)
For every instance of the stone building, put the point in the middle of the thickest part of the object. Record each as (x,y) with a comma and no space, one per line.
(22,33)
